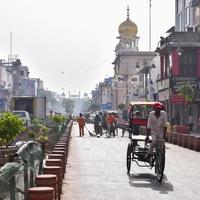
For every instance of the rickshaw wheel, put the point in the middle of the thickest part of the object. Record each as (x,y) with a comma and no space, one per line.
(160,165)
(128,157)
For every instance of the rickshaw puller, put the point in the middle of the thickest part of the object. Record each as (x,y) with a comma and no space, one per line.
(157,127)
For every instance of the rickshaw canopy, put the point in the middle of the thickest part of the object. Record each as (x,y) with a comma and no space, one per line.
(143,108)
(150,103)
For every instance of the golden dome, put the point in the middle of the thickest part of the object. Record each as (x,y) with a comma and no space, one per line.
(128,28)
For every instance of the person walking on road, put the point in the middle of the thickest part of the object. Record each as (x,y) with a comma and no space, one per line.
(98,124)
(81,124)
(111,124)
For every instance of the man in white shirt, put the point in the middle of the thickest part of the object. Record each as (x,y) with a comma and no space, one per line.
(156,126)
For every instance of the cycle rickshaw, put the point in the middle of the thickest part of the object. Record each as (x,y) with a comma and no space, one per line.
(138,148)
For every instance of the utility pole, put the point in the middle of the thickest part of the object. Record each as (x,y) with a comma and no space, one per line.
(10,56)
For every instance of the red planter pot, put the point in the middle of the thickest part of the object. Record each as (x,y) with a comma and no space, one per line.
(56,171)
(197,143)
(47,180)
(191,142)
(185,140)
(174,137)
(41,193)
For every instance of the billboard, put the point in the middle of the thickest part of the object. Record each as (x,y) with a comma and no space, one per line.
(106,106)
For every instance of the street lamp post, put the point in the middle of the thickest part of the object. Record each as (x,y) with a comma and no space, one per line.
(126,98)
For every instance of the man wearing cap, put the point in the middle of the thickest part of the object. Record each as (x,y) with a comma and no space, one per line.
(156,126)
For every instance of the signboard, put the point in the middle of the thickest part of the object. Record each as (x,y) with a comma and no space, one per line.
(109,105)
(2,103)
(195,84)
(106,106)
(108,81)
(177,84)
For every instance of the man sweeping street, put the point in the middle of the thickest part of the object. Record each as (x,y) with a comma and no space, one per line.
(81,124)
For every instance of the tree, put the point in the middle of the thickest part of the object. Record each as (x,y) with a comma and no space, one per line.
(10,127)
(50,96)
(68,104)
(54,101)
(188,93)
(86,105)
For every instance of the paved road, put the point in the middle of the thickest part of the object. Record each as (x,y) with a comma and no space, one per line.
(96,170)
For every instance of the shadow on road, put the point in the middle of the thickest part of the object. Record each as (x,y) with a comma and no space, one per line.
(146,180)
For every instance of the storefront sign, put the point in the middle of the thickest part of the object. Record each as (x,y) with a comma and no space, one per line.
(178,84)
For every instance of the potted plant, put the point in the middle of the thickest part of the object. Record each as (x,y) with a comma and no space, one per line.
(31,135)
(10,127)
(39,132)
(58,121)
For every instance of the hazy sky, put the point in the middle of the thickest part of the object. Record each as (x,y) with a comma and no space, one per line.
(70,43)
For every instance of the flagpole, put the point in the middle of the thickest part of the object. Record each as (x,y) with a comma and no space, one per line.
(149,25)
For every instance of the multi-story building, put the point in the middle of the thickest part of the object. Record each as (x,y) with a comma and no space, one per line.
(6,82)
(102,96)
(187,15)
(180,65)
(105,89)
(14,80)
(19,73)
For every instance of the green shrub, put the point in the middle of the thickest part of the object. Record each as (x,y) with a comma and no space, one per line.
(58,119)
(31,134)
(10,127)
(39,131)
(42,138)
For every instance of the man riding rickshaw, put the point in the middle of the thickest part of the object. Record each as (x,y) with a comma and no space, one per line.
(152,117)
